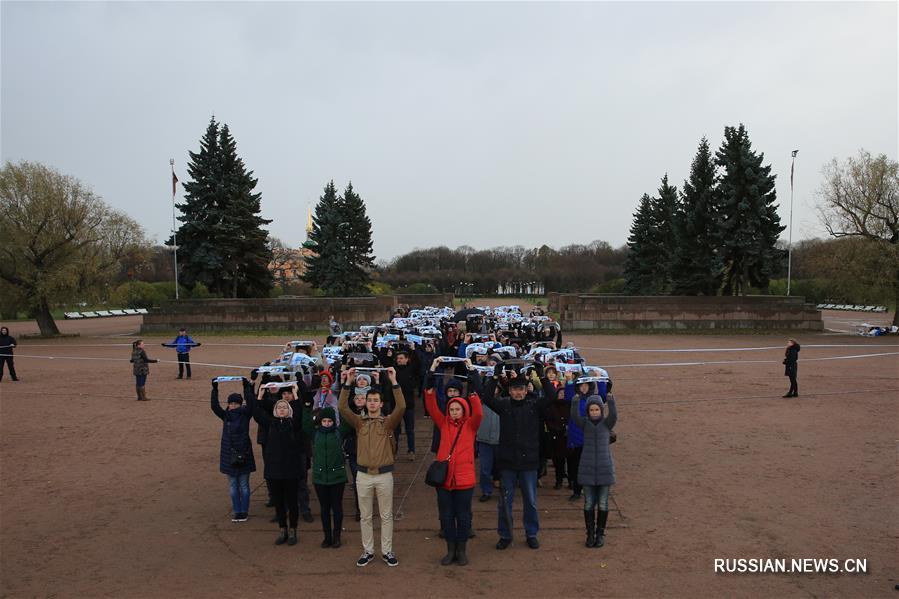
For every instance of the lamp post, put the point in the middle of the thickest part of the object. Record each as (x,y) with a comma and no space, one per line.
(174,227)
(790,240)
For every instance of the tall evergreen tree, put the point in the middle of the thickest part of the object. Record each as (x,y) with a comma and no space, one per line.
(665,206)
(325,263)
(641,264)
(198,259)
(241,240)
(357,243)
(222,242)
(748,223)
(695,266)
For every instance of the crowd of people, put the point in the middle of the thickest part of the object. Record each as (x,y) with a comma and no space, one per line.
(503,395)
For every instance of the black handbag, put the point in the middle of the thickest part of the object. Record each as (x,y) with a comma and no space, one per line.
(437,471)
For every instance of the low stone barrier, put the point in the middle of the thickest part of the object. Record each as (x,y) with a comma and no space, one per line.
(648,313)
(288,314)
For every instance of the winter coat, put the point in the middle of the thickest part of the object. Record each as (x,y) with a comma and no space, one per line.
(596,466)
(141,361)
(488,432)
(328,466)
(283,450)
(7,343)
(791,360)
(460,471)
(521,425)
(235,433)
(183,344)
(556,418)
(575,433)
(375,441)
(409,381)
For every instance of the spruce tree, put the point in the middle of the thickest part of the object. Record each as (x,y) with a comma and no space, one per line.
(198,259)
(221,241)
(241,240)
(748,222)
(357,243)
(695,266)
(665,206)
(325,263)
(641,264)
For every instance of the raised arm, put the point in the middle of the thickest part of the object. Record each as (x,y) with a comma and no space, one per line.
(490,396)
(399,408)
(343,401)
(477,411)
(431,406)
(612,418)
(214,399)
(576,414)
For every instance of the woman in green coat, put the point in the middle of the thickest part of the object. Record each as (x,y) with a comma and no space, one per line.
(328,471)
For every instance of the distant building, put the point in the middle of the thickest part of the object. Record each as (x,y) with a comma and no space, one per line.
(289,264)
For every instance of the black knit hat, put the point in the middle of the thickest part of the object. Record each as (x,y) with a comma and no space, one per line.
(235,398)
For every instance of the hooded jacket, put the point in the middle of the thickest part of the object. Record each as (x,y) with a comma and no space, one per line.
(375,442)
(460,472)
(328,465)
(596,466)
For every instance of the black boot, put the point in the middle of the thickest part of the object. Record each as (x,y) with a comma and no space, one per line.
(328,539)
(282,537)
(461,558)
(292,537)
(335,541)
(590,523)
(450,556)
(601,528)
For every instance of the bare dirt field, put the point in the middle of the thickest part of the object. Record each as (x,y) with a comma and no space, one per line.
(103,496)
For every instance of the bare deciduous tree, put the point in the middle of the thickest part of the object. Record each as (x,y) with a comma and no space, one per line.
(860,198)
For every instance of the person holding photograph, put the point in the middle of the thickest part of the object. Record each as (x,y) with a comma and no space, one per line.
(376,455)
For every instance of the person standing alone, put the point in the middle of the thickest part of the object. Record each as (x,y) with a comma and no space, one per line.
(791,367)
(7,343)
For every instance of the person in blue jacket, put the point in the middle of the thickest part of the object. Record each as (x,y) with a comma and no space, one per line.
(236,456)
(183,344)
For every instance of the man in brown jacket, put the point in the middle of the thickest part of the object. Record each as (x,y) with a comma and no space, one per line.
(375,454)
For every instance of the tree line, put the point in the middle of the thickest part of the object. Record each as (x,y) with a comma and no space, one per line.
(718,235)
(63,245)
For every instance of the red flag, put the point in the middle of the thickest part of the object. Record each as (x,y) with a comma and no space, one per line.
(174,183)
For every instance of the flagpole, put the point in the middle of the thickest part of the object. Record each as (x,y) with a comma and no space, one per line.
(174,227)
(790,241)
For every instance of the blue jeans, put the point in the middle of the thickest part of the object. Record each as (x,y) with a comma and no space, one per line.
(485,459)
(240,493)
(594,494)
(455,513)
(526,480)
(140,380)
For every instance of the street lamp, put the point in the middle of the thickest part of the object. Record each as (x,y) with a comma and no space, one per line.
(790,240)
(174,227)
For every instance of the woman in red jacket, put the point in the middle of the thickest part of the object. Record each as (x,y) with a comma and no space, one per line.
(458,427)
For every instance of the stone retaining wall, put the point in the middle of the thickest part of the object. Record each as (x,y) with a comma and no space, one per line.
(616,312)
(302,313)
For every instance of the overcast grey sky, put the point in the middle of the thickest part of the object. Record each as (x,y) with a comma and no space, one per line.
(459,123)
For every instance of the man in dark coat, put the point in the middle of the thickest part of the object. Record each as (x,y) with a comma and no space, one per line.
(518,453)
(7,343)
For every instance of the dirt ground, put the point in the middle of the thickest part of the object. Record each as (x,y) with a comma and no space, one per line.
(106,497)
